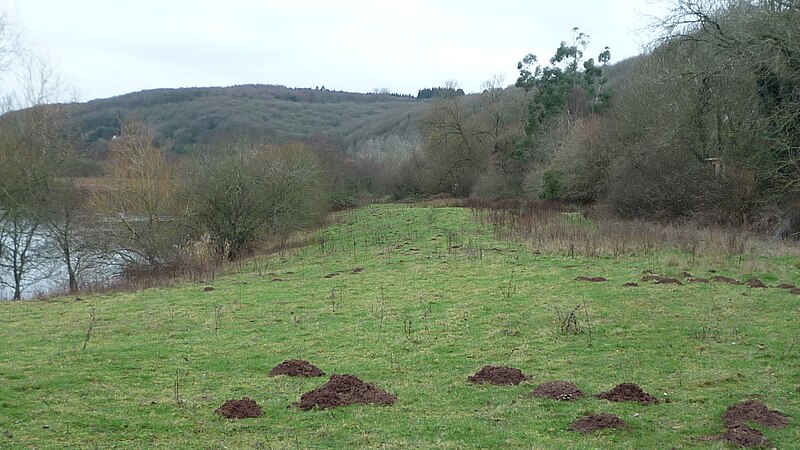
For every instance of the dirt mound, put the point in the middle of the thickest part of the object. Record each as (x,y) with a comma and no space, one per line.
(592,279)
(630,285)
(795,291)
(358,270)
(594,422)
(786,286)
(687,275)
(755,283)
(558,390)
(699,280)
(661,280)
(726,280)
(505,376)
(331,275)
(628,392)
(296,368)
(239,409)
(343,390)
(208,289)
(744,436)
(754,411)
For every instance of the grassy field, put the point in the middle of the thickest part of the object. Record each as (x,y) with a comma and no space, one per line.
(439,297)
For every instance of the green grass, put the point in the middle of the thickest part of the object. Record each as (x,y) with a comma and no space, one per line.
(471,301)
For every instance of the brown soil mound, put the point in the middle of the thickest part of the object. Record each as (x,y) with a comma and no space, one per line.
(795,291)
(591,279)
(505,376)
(358,270)
(594,422)
(744,436)
(786,286)
(754,411)
(661,280)
(698,280)
(208,289)
(558,390)
(630,285)
(755,283)
(343,390)
(721,279)
(239,409)
(296,368)
(331,275)
(687,275)
(628,392)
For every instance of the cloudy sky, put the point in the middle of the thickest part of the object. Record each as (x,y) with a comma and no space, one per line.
(102,48)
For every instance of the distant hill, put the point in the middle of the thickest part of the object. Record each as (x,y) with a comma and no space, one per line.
(183,118)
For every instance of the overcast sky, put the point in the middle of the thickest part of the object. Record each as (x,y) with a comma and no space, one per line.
(102,48)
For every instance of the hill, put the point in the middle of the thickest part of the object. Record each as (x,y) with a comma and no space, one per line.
(184,118)
(415,300)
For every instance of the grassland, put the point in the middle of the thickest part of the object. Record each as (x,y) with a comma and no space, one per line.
(439,297)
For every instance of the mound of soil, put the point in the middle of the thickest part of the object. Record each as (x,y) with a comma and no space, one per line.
(331,275)
(558,390)
(785,286)
(661,280)
(276,279)
(358,270)
(594,422)
(592,279)
(208,289)
(343,390)
(795,291)
(504,376)
(754,411)
(687,275)
(699,280)
(726,280)
(296,368)
(744,436)
(628,392)
(755,283)
(239,409)
(631,285)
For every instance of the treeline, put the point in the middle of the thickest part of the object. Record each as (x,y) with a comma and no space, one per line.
(148,216)
(706,126)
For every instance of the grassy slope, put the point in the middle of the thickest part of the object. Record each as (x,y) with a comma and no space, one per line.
(484,302)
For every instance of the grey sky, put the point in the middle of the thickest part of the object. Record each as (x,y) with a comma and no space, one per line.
(103,48)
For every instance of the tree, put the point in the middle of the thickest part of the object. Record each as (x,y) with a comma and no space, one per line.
(560,88)
(243,191)
(30,155)
(146,225)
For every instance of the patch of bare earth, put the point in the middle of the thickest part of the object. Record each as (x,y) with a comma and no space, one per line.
(343,390)
(738,432)
(658,279)
(699,280)
(591,279)
(558,390)
(296,368)
(630,285)
(504,376)
(744,436)
(754,411)
(786,286)
(726,280)
(594,422)
(628,392)
(239,409)
(755,283)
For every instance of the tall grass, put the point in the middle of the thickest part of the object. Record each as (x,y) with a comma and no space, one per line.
(548,227)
